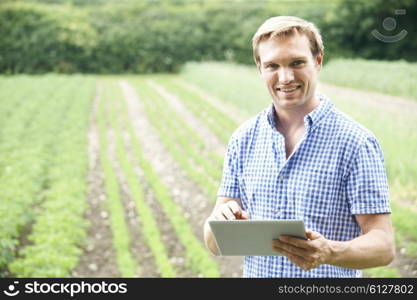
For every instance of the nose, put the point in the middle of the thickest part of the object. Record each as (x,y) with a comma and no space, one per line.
(285,75)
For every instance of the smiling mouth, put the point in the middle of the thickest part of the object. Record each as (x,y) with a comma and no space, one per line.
(288,89)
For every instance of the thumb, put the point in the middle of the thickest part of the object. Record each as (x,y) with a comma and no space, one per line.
(312,235)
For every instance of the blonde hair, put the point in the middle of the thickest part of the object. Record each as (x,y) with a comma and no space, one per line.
(286,26)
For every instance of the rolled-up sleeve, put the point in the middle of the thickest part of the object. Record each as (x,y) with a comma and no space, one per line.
(367,184)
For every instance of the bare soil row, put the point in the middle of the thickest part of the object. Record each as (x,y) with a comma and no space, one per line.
(99,257)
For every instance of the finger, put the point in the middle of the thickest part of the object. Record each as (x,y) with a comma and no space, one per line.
(227,212)
(244,215)
(218,216)
(277,244)
(299,261)
(235,208)
(297,242)
(295,259)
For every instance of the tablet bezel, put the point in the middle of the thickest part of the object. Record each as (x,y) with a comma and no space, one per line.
(253,237)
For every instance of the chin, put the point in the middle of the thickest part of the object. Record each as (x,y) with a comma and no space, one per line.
(288,103)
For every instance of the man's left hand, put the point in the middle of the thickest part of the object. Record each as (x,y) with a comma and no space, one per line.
(307,254)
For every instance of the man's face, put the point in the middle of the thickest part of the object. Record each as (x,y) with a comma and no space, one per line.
(289,70)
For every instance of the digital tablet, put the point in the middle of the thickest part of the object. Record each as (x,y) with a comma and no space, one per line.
(253,237)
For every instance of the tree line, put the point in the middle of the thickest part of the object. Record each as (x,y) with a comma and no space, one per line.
(97,36)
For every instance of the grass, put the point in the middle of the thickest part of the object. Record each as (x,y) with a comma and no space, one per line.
(383,272)
(405,222)
(394,78)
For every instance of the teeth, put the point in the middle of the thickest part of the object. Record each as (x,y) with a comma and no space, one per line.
(288,90)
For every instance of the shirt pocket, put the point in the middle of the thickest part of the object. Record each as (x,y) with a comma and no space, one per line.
(319,193)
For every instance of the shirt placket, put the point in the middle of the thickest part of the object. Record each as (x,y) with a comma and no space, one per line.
(285,209)
(281,194)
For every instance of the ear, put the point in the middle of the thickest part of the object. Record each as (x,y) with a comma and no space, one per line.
(258,67)
(319,60)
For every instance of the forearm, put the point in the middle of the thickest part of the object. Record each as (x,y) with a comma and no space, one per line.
(375,248)
(209,239)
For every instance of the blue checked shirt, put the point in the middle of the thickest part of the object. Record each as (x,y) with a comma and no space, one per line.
(337,171)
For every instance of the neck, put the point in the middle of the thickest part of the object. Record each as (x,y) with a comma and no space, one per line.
(289,120)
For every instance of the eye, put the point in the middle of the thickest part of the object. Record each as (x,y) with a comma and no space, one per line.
(272,66)
(297,63)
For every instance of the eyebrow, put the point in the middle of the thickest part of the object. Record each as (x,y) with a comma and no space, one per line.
(291,59)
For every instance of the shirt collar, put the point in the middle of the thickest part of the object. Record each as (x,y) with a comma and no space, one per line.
(311,120)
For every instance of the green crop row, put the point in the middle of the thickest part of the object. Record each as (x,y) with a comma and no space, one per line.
(59,230)
(18,117)
(197,257)
(178,145)
(176,121)
(218,122)
(12,99)
(177,129)
(238,85)
(121,238)
(25,157)
(149,225)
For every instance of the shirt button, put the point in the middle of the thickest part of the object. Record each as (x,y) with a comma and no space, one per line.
(282,177)
(278,213)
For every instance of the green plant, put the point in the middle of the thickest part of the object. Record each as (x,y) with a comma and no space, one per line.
(59,227)
(149,226)
(197,256)
(177,144)
(25,142)
(221,124)
(120,231)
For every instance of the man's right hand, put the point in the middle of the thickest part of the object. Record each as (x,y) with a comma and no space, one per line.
(230,210)
(225,209)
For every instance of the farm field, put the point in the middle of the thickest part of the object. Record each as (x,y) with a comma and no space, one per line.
(113,176)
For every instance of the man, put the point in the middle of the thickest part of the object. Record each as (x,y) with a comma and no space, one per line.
(301,158)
